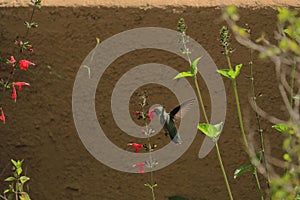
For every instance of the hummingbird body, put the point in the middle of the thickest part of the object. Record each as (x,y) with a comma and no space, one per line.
(167,119)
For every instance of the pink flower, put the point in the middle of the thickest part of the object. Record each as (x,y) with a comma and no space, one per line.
(140,166)
(24,64)
(137,146)
(150,114)
(2,117)
(11,61)
(20,84)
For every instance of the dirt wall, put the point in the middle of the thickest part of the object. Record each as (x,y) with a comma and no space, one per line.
(40,127)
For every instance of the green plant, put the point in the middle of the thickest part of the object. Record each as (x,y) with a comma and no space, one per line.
(232,74)
(285,54)
(254,97)
(17,63)
(151,163)
(17,181)
(212,131)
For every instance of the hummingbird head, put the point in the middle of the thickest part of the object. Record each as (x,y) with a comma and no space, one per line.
(157,110)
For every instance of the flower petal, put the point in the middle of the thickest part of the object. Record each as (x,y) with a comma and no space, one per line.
(24,64)
(14,93)
(2,117)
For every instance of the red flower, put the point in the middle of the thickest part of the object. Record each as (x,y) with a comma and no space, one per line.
(11,61)
(140,166)
(14,92)
(137,146)
(20,84)
(139,114)
(24,64)
(150,114)
(2,117)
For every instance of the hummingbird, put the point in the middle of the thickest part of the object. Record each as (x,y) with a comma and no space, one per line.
(167,119)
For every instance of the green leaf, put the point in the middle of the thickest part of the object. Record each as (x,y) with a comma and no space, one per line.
(230,73)
(10,197)
(231,12)
(183,74)
(14,163)
(194,68)
(36,2)
(288,32)
(24,179)
(10,179)
(285,15)
(19,187)
(226,72)
(31,25)
(286,143)
(27,24)
(19,171)
(6,191)
(283,128)
(240,31)
(241,170)
(258,156)
(207,129)
(24,196)
(287,157)
(297,97)
(212,131)
(97,41)
(237,70)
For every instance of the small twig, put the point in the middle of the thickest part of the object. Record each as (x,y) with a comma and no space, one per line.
(260,130)
(265,115)
(3,197)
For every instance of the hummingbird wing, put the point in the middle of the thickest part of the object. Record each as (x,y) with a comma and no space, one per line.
(183,108)
(168,124)
(172,130)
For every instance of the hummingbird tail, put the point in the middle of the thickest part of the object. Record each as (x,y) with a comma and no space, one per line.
(177,139)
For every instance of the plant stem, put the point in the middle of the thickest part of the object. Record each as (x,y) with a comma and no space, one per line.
(260,130)
(184,41)
(17,198)
(200,99)
(292,83)
(30,21)
(151,171)
(241,123)
(257,183)
(153,195)
(183,35)
(217,146)
(240,114)
(223,172)
(150,155)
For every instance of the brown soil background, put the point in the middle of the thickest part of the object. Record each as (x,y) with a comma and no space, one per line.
(40,127)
